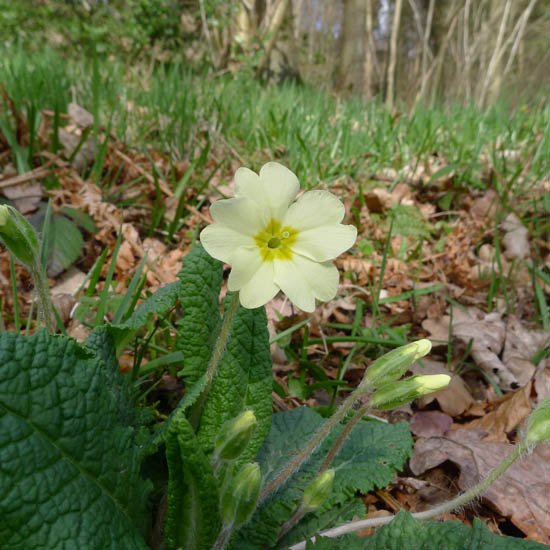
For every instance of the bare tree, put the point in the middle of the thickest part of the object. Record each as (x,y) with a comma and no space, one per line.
(393,53)
(349,65)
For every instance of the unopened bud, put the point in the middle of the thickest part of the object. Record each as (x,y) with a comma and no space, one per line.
(404,391)
(234,436)
(318,491)
(393,365)
(18,235)
(239,500)
(538,424)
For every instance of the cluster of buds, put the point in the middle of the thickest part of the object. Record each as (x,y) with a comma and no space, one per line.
(384,374)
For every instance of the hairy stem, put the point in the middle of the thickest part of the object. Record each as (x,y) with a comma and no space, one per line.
(343,436)
(42,287)
(216,357)
(443,508)
(223,537)
(313,443)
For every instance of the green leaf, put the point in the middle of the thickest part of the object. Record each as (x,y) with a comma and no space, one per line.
(82,219)
(409,222)
(192,515)
(64,246)
(70,463)
(163,300)
(369,458)
(244,381)
(406,532)
(201,281)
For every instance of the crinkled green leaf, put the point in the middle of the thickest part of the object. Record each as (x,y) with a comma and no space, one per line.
(244,381)
(192,515)
(369,458)
(347,542)
(69,472)
(335,515)
(201,281)
(406,532)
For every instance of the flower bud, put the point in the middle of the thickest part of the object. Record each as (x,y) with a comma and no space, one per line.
(18,235)
(404,391)
(234,436)
(239,500)
(318,491)
(538,424)
(393,365)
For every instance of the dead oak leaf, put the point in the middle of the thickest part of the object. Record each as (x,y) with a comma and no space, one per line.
(510,411)
(522,493)
(454,399)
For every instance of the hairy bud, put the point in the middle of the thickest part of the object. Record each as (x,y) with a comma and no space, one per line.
(239,500)
(404,391)
(234,436)
(393,365)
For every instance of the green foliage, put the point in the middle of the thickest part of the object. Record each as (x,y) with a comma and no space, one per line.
(406,532)
(116,26)
(70,460)
(409,222)
(201,281)
(369,458)
(192,515)
(244,381)
(158,303)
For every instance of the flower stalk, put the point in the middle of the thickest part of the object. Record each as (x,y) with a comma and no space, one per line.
(313,443)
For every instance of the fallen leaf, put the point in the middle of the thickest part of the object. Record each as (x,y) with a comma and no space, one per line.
(520,347)
(510,411)
(430,423)
(522,493)
(454,399)
(487,337)
(515,239)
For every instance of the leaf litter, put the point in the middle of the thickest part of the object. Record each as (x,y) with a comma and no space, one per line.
(436,281)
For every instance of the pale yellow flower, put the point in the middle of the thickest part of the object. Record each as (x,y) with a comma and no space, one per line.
(273,243)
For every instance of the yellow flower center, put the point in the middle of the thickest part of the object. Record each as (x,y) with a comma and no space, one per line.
(275,241)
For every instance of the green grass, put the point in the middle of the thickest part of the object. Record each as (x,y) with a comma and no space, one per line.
(222,122)
(319,136)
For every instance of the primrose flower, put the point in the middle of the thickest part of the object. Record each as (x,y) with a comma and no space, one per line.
(273,243)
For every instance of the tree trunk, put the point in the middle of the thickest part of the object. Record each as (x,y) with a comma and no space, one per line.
(390,90)
(349,66)
(371,69)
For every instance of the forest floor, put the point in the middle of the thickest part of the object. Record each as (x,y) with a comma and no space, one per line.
(452,208)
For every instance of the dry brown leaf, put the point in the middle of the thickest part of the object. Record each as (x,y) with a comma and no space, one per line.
(454,399)
(486,332)
(516,238)
(510,411)
(430,423)
(522,493)
(520,347)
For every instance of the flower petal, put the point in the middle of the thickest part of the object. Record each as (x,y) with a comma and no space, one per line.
(323,278)
(240,214)
(326,242)
(260,289)
(247,184)
(245,263)
(221,241)
(294,284)
(280,186)
(314,209)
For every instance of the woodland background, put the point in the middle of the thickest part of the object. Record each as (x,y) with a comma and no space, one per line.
(403,50)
